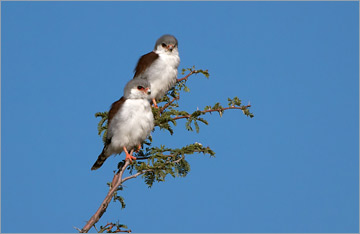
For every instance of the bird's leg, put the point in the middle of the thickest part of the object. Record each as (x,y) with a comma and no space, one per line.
(129,156)
(139,148)
(154,102)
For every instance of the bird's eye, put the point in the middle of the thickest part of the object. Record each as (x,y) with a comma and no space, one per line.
(140,87)
(163,45)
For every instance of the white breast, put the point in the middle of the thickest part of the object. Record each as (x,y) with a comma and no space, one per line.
(163,73)
(130,126)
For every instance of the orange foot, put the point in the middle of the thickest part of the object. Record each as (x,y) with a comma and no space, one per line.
(154,102)
(129,156)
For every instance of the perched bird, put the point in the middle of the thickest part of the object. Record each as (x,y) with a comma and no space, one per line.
(159,67)
(130,121)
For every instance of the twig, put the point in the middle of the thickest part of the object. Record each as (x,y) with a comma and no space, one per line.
(115,184)
(168,104)
(213,110)
(109,226)
(147,157)
(187,76)
(181,158)
(78,229)
(135,175)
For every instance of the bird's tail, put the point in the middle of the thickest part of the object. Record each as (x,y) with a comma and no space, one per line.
(100,161)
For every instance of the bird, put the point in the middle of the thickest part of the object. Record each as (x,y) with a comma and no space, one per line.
(130,122)
(160,66)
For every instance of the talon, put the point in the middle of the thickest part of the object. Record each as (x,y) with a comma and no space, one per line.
(129,156)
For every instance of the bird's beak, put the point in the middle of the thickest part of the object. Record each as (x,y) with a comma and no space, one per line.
(170,47)
(147,91)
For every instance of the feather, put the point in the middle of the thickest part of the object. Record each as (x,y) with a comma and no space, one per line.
(115,108)
(145,62)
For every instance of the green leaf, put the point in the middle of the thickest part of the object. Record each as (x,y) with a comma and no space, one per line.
(120,199)
(197,128)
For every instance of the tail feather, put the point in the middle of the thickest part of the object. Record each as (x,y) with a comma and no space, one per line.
(100,161)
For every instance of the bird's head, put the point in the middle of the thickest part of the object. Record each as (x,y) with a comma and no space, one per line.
(166,43)
(137,89)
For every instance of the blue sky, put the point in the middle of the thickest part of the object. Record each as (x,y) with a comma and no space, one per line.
(294,167)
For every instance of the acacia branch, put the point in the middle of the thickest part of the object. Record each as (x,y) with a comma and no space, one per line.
(147,157)
(181,158)
(116,182)
(152,169)
(168,104)
(187,76)
(109,226)
(213,110)
(135,175)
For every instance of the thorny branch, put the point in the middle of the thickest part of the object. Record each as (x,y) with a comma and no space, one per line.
(168,104)
(187,76)
(116,182)
(135,175)
(213,110)
(109,226)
